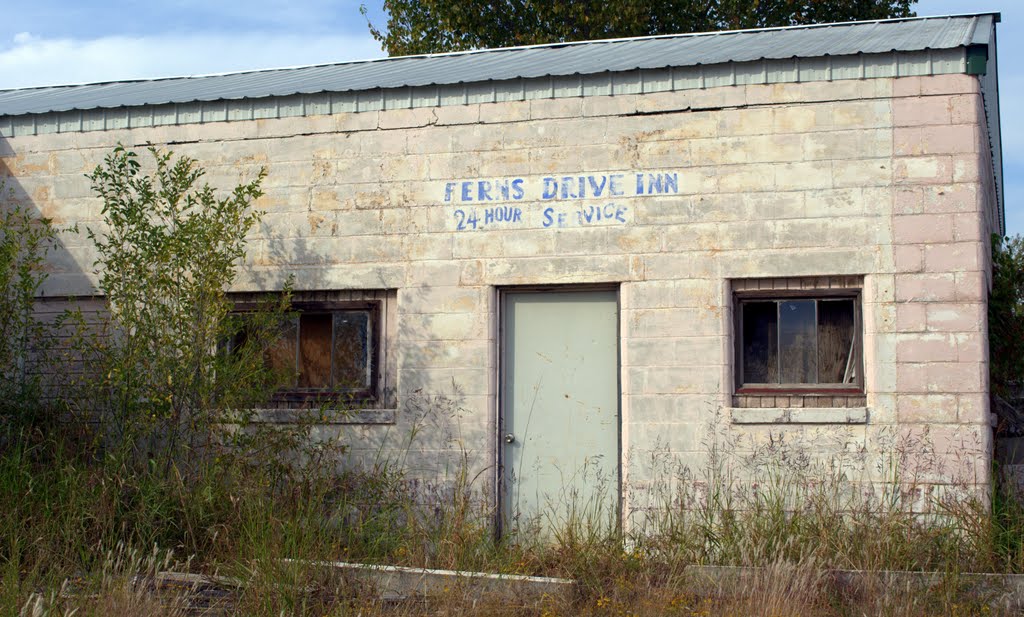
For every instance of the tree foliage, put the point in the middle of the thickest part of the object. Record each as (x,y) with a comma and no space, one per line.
(1006,315)
(435,26)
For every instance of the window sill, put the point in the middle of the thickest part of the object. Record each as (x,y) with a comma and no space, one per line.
(351,416)
(800,415)
(785,400)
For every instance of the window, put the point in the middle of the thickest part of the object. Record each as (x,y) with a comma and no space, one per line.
(798,338)
(331,347)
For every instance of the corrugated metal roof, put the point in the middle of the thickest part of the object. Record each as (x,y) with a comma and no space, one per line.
(591,57)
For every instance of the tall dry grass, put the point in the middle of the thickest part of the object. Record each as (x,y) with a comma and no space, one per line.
(78,535)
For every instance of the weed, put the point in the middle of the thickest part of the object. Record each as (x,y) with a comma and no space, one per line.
(235,522)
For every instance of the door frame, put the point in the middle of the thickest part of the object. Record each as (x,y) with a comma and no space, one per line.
(500,371)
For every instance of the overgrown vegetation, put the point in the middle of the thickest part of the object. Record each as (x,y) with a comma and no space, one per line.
(157,470)
(163,444)
(88,529)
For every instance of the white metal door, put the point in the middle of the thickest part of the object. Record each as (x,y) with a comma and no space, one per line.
(560,408)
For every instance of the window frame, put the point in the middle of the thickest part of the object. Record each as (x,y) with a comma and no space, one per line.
(740,298)
(297,396)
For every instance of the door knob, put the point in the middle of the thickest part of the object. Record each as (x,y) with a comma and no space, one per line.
(510,438)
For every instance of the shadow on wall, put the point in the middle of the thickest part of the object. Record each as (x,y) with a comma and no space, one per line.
(349,240)
(437,430)
(433,436)
(68,276)
(25,183)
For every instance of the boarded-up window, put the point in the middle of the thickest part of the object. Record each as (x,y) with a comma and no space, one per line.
(327,348)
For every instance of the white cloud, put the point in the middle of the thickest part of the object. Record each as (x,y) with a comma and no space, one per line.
(23,38)
(37,61)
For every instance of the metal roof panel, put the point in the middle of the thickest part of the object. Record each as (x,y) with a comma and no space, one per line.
(563,59)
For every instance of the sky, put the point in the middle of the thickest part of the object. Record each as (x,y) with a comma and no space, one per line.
(46,42)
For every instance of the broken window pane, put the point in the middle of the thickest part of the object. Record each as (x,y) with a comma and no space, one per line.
(760,345)
(798,341)
(352,340)
(314,350)
(836,359)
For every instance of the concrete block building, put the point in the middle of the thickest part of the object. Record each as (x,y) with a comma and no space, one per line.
(589,257)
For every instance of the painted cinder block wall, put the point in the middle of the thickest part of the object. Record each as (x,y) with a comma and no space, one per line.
(884,181)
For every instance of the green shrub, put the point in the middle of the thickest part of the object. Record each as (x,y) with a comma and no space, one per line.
(167,392)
